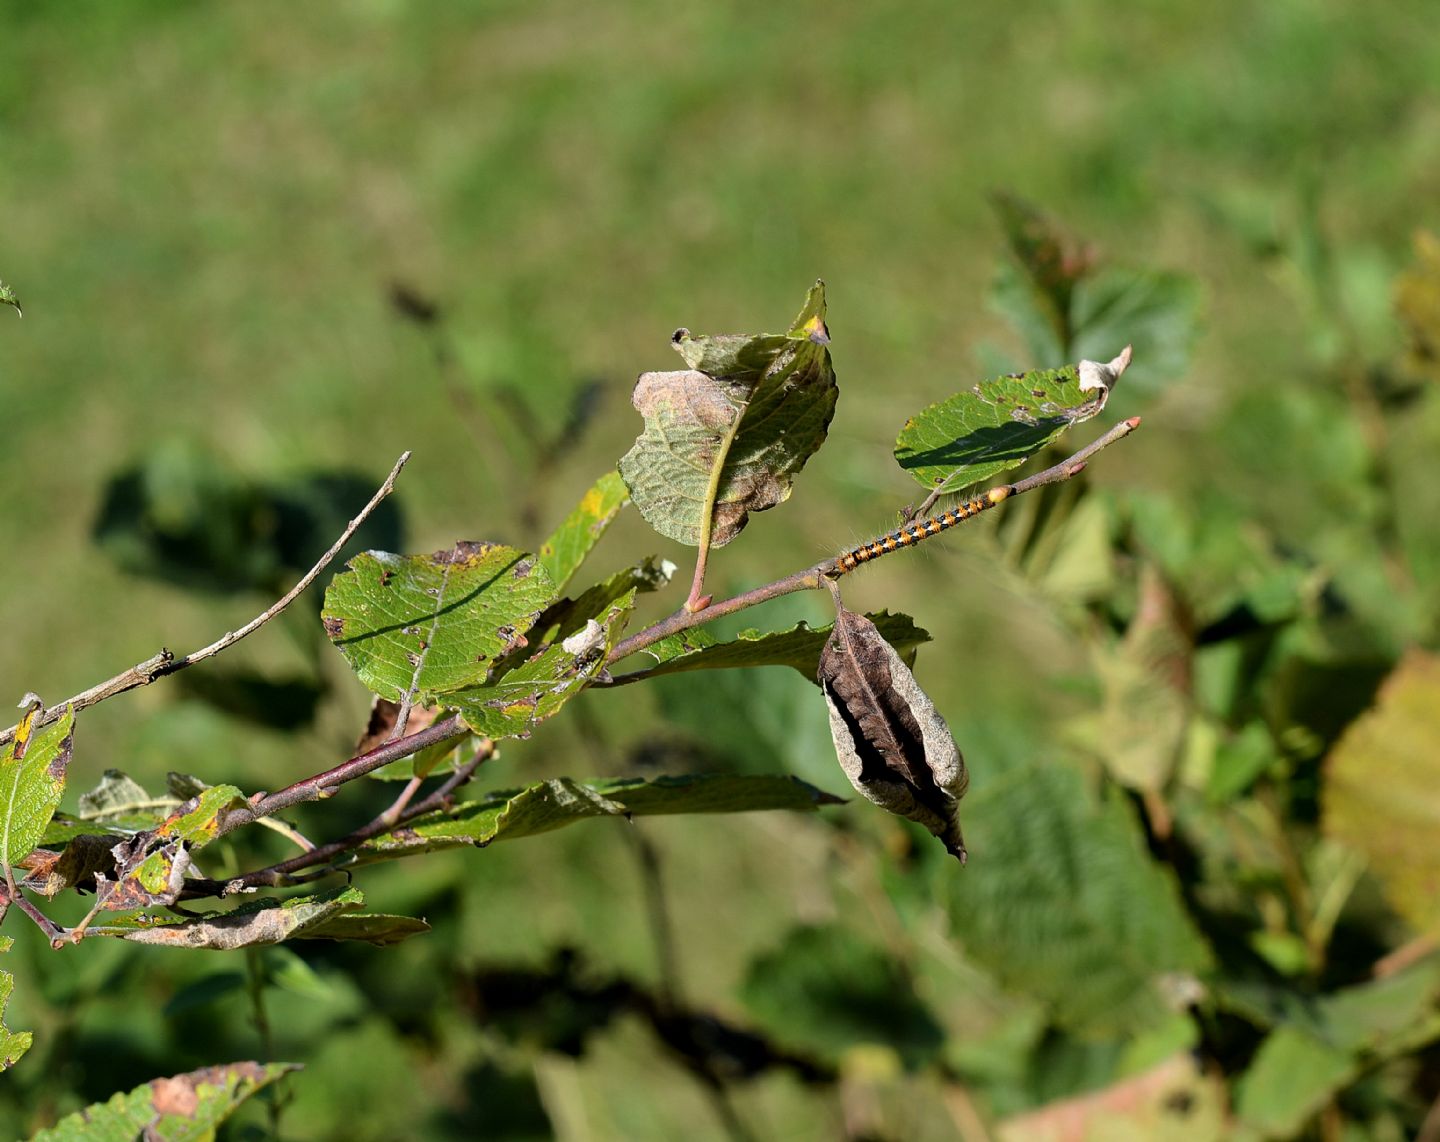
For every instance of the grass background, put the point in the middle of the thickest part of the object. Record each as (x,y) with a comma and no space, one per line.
(204,210)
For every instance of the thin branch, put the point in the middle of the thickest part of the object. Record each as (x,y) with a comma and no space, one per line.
(814,577)
(323,785)
(282,872)
(143,673)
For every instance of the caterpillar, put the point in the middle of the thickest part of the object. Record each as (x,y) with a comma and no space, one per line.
(913,533)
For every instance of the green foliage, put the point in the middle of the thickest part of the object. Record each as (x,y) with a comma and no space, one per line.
(829,991)
(7,297)
(327,916)
(1067,905)
(994,427)
(562,554)
(1065,303)
(553,804)
(427,625)
(1200,866)
(799,647)
(183,1108)
(13,1044)
(32,780)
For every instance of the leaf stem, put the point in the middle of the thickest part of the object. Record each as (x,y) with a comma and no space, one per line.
(282,872)
(696,601)
(143,673)
(814,577)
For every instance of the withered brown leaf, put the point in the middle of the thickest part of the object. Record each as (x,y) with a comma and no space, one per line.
(891,741)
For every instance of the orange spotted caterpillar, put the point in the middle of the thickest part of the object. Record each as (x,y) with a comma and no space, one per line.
(913,533)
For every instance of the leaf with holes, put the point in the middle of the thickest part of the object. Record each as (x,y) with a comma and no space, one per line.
(553,804)
(184,1108)
(727,436)
(433,623)
(13,1044)
(891,741)
(32,778)
(1000,423)
(517,701)
(799,647)
(567,547)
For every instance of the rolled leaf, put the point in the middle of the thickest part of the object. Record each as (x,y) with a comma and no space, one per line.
(727,436)
(891,741)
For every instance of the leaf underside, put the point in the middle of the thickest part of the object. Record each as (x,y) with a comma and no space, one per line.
(753,407)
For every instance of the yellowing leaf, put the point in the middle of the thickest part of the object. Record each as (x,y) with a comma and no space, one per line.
(1382,789)
(32,778)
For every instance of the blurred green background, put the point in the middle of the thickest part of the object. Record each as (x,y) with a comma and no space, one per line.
(264,248)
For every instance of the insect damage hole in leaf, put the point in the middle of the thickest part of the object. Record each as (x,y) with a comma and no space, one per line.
(1000,423)
(891,741)
(433,623)
(727,436)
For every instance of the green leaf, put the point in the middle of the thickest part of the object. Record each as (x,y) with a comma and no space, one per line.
(325,916)
(558,802)
(1381,794)
(32,778)
(184,1108)
(13,1044)
(728,436)
(1140,730)
(799,647)
(567,547)
(826,990)
(378,928)
(1385,1017)
(7,297)
(1065,306)
(1293,1075)
(433,623)
(1157,313)
(1063,902)
(535,690)
(1035,292)
(995,426)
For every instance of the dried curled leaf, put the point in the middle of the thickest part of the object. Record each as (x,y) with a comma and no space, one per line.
(891,741)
